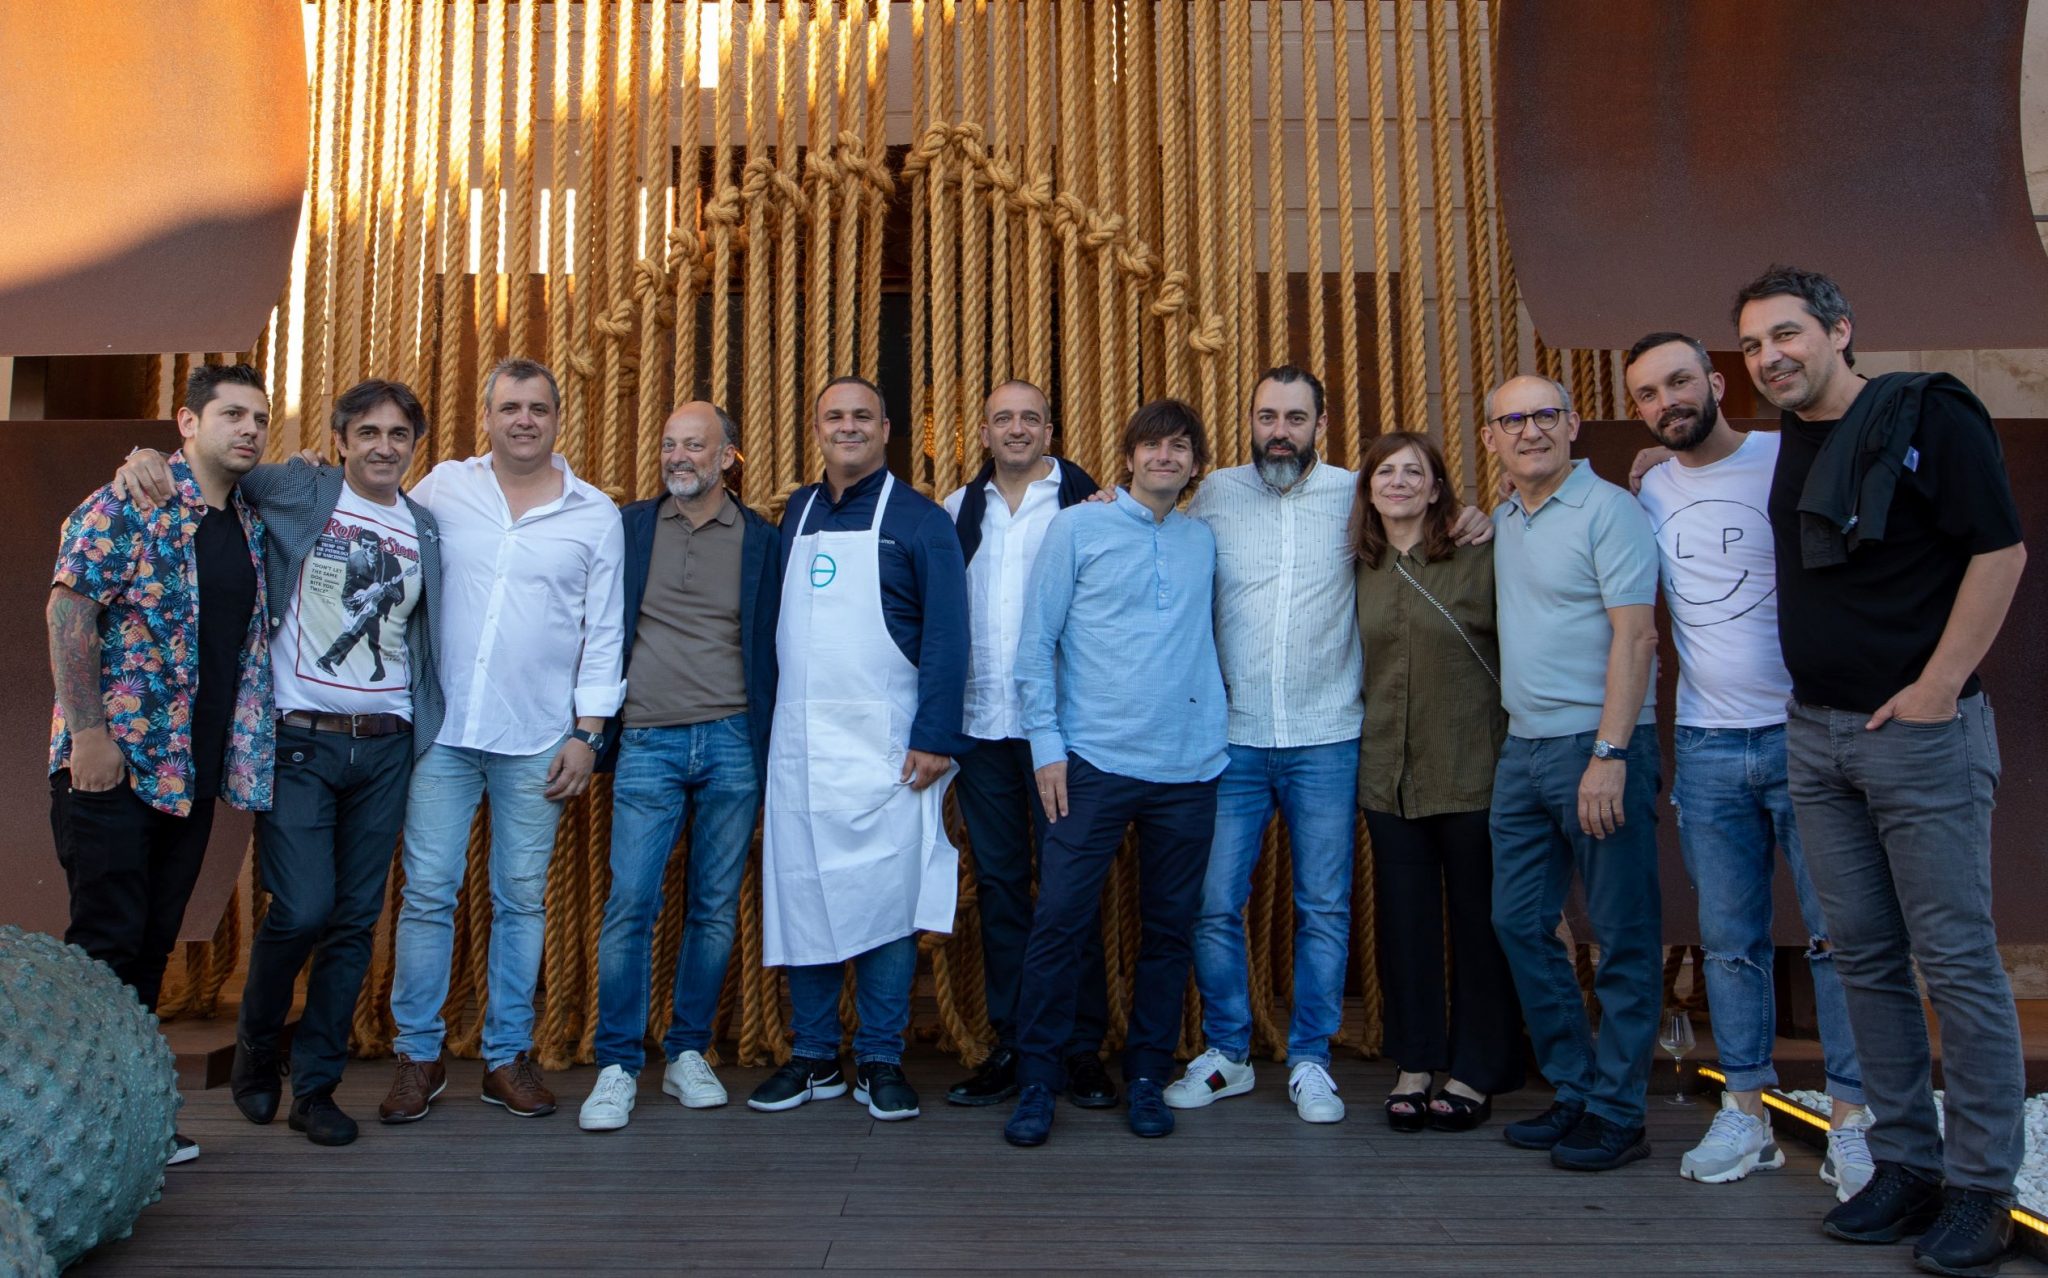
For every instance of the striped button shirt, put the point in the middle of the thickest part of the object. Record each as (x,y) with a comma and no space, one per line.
(1285,597)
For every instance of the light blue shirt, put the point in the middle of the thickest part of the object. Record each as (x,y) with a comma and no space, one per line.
(1556,572)
(1117,662)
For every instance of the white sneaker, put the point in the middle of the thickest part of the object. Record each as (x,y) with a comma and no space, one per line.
(1848,1166)
(611,1101)
(1314,1093)
(1735,1145)
(1210,1077)
(689,1079)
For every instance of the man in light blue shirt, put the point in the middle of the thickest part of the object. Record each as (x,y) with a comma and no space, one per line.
(1121,698)
(1575,573)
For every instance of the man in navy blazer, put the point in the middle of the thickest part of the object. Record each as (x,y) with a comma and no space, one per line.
(702,589)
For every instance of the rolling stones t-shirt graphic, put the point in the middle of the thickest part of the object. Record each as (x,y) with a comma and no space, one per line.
(341,649)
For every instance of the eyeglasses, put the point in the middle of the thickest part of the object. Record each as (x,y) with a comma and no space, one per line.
(1514,424)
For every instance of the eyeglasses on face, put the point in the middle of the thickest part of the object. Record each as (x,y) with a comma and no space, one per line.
(1544,419)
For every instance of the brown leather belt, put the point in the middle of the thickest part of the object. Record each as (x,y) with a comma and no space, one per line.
(355,725)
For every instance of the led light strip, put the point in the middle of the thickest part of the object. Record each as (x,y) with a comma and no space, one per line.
(2020,1215)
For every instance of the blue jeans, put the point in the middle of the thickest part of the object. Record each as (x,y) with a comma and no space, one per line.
(702,772)
(881,997)
(1732,802)
(447,784)
(1316,789)
(1537,845)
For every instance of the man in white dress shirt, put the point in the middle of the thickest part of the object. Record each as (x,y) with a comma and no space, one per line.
(529,641)
(1001,516)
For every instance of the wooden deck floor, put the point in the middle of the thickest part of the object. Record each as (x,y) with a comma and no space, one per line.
(1243,1187)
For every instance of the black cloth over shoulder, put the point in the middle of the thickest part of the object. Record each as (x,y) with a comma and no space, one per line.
(1848,494)
(1076,486)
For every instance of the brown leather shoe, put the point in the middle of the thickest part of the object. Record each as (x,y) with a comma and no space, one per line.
(516,1085)
(414,1090)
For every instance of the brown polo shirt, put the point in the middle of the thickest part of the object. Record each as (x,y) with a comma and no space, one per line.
(686,665)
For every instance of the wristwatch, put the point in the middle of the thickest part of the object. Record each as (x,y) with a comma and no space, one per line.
(1603,749)
(595,740)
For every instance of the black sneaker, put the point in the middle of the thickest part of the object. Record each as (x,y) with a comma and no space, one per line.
(253,1082)
(1547,1128)
(322,1120)
(1894,1204)
(1088,1083)
(1599,1144)
(881,1087)
(992,1084)
(801,1080)
(183,1150)
(1970,1236)
(1149,1115)
(1032,1122)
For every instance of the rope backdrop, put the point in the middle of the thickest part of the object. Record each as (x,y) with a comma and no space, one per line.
(1081,194)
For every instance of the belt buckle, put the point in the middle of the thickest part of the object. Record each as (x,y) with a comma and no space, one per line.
(355,722)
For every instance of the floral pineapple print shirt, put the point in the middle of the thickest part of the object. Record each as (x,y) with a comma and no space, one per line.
(141,566)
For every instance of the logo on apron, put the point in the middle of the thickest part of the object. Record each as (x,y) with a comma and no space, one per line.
(823,570)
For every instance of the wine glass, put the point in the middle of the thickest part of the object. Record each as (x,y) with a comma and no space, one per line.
(1676,1037)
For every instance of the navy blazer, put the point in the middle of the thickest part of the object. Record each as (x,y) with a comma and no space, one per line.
(760,605)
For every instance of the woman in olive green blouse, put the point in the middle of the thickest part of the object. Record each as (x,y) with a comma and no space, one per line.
(1433,729)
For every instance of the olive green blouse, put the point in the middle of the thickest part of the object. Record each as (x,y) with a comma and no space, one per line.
(1433,718)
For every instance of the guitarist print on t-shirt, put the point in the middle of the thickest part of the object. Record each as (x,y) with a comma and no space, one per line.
(360,584)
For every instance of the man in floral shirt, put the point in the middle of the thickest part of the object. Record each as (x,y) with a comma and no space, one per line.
(162,705)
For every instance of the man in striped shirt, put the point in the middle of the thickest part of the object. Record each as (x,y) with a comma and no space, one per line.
(1287,636)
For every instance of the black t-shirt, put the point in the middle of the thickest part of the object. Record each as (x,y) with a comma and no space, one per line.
(227,598)
(1856,633)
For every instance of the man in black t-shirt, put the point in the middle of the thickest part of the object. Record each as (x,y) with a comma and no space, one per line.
(1898,551)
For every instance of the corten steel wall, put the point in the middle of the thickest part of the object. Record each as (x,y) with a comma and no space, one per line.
(2014,678)
(50,467)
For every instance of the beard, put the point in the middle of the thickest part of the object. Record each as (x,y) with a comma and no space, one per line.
(686,484)
(1281,470)
(1682,431)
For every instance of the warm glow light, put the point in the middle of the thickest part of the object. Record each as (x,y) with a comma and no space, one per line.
(707,46)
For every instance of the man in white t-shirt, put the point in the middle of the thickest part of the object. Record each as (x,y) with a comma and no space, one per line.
(353,579)
(1707,504)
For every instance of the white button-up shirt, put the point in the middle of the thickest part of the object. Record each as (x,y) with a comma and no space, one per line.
(1286,625)
(531,623)
(997,578)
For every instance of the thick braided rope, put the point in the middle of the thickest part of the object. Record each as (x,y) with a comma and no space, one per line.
(1142,340)
(1510,291)
(849,1009)
(346,297)
(875,213)
(313,329)
(781,449)
(975,220)
(576,369)
(722,213)
(1105,350)
(758,352)
(1312,179)
(1259,944)
(1584,377)
(1384,341)
(388,344)
(454,393)
(1208,230)
(1079,390)
(1350,418)
(651,289)
(489,275)
(1172,118)
(1002,26)
(944,278)
(613,322)
(561,289)
(751,1036)
(277,353)
(359,294)
(1277,345)
(846,274)
(523,205)
(821,126)
(387,110)
(597,877)
(1365,933)
(1414,323)
(1441,160)
(1241,292)
(1041,121)
(1478,235)
(686,236)
(418,235)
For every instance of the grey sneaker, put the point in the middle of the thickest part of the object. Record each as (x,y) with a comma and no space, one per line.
(1848,1166)
(1735,1145)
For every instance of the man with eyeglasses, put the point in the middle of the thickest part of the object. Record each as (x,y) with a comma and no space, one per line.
(1576,787)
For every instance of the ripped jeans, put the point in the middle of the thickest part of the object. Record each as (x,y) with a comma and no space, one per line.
(1730,793)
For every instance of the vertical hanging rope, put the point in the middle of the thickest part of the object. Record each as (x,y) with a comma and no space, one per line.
(1510,292)
(781,449)
(1485,320)
(1451,399)
(1414,372)
(488,275)
(1106,350)
(1002,234)
(845,308)
(922,185)
(365,160)
(1312,181)
(614,317)
(1038,97)
(1143,335)
(758,352)
(944,280)
(313,328)
(1390,397)
(1209,230)
(722,213)
(346,297)
(387,344)
(520,335)
(822,129)
(1350,416)
(871,193)
(422,216)
(1277,343)
(1082,395)
(650,273)
(452,429)
(1174,194)
(974,229)
(1242,283)
(685,239)
(561,144)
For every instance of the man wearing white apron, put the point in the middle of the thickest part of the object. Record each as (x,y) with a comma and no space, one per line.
(872,649)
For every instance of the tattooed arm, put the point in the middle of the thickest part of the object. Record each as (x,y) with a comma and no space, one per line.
(96,762)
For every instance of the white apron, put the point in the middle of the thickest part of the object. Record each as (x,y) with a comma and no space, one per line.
(852,858)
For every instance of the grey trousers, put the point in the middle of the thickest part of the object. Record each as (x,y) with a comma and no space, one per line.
(1897,829)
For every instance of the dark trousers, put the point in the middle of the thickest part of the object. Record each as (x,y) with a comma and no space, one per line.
(130,869)
(1425,869)
(998,790)
(1176,823)
(322,852)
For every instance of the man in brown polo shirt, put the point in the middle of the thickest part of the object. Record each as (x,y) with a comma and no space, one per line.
(702,591)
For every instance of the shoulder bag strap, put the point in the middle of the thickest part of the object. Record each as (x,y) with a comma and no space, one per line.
(1483,664)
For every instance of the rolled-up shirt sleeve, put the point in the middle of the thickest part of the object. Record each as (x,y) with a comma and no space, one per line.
(1046,600)
(600,673)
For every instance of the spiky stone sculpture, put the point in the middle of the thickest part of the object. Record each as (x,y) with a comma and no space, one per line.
(87,1094)
(21,1247)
